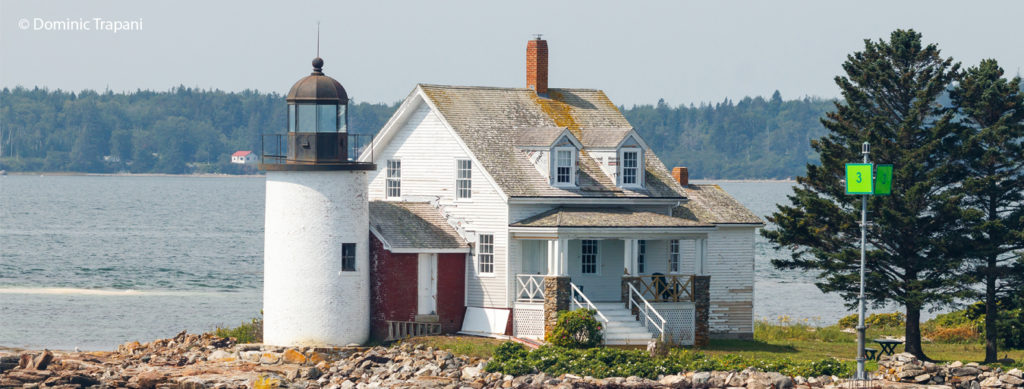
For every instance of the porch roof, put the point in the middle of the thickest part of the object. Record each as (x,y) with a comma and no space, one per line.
(709,203)
(605,217)
(413,227)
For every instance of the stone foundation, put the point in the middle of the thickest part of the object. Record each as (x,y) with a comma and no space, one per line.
(702,305)
(556,298)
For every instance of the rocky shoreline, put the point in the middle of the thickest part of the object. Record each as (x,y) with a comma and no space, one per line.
(190,361)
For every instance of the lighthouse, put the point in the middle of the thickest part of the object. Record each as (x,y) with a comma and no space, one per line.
(316,245)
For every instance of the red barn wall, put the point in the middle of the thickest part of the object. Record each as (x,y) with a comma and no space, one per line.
(451,291)
(392,287)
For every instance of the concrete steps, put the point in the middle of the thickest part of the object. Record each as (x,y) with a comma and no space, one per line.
(622,327)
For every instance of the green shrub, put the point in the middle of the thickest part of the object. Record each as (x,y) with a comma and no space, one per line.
(251,332)
(848,321)
(576,329)
(612,362)
(894,319)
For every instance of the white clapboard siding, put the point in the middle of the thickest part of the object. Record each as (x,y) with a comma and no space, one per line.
(731,267)
(606,285)
(428,151)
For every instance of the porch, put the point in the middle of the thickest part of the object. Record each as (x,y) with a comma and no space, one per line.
(643,287)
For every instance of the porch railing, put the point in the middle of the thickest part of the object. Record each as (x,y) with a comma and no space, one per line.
(646,312)
(661,288)
(530,288)
(580,300)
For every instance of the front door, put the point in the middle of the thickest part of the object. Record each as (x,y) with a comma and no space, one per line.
(427,285)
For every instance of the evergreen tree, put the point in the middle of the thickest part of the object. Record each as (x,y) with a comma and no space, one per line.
(991,112)
(890,93)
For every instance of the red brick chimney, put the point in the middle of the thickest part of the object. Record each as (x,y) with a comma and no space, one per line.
(681,175)
(537,65)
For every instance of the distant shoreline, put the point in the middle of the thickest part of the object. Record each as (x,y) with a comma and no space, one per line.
(202,175)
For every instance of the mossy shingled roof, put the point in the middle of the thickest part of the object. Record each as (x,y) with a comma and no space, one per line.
(709,203)
(490,120)
(411,225)
(619,217)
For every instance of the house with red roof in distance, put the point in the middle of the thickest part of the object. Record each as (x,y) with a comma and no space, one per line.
(244,157)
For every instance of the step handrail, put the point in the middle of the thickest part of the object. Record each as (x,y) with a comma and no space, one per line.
(576,292)
(647,310)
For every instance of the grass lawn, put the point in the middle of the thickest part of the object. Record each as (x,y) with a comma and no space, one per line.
(798,347)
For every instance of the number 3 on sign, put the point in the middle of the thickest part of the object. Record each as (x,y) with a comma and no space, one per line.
(858,178)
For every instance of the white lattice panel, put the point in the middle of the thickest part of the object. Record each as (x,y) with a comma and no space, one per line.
(528,321)
(679,324)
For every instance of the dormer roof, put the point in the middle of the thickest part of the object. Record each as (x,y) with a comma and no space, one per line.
(545,137)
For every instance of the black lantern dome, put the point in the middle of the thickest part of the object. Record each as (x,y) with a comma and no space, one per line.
(317,88)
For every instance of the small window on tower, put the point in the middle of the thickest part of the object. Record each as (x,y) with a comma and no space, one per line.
(348,257)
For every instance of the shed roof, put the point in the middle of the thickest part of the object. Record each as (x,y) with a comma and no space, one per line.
(605,217)
(490,121)
(709,203)
(412,226)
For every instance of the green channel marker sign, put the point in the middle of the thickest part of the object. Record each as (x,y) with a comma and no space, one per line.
(883,180)
(858,179)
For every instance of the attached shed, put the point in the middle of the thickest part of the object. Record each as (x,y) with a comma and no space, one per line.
(417,273)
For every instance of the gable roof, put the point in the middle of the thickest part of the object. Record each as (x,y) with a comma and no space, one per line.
(413,227)
(605,217)
(241,153)
(490,121)
(709,203)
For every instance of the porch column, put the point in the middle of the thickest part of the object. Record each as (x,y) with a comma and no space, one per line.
(556,299)
(563,257)
(553,257)
(701,260)
(627,256)
(702,308)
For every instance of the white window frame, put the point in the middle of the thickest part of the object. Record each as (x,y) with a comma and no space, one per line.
(674,257)
(596,256)
(393,180)
(572,166)
(463,184)
(641,256)
(485,255)
(640,171)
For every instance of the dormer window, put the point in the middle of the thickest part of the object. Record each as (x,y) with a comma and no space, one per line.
(565,166)
(631,167)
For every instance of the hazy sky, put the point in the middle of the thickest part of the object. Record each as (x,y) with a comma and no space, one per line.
(637,51)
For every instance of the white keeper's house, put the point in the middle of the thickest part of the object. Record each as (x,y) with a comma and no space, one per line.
(487,211)
(549,200)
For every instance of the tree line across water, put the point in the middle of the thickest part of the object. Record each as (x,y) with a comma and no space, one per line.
(187,130)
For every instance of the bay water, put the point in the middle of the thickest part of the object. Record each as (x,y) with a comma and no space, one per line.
(95,261)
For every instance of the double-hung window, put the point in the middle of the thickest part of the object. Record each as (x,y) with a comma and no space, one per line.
(463,179)
(630,168)
(394,178)
(565,163)
(673,257)
(485,254)
(348,257)
(641,253)
(589,258)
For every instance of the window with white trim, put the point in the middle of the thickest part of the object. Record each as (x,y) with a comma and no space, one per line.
(348,257)
(485,254)
(565,166)
(394,178)
(673,257)
(641,252)
(463,179)
(589,259)
(630,168)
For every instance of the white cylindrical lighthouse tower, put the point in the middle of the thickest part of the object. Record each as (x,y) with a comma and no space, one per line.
(316,243)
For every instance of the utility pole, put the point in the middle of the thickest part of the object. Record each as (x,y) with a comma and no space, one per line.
(860,375)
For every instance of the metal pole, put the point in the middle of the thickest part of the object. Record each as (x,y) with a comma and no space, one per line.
(863,243)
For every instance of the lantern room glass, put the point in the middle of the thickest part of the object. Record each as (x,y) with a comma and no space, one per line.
(317,118)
